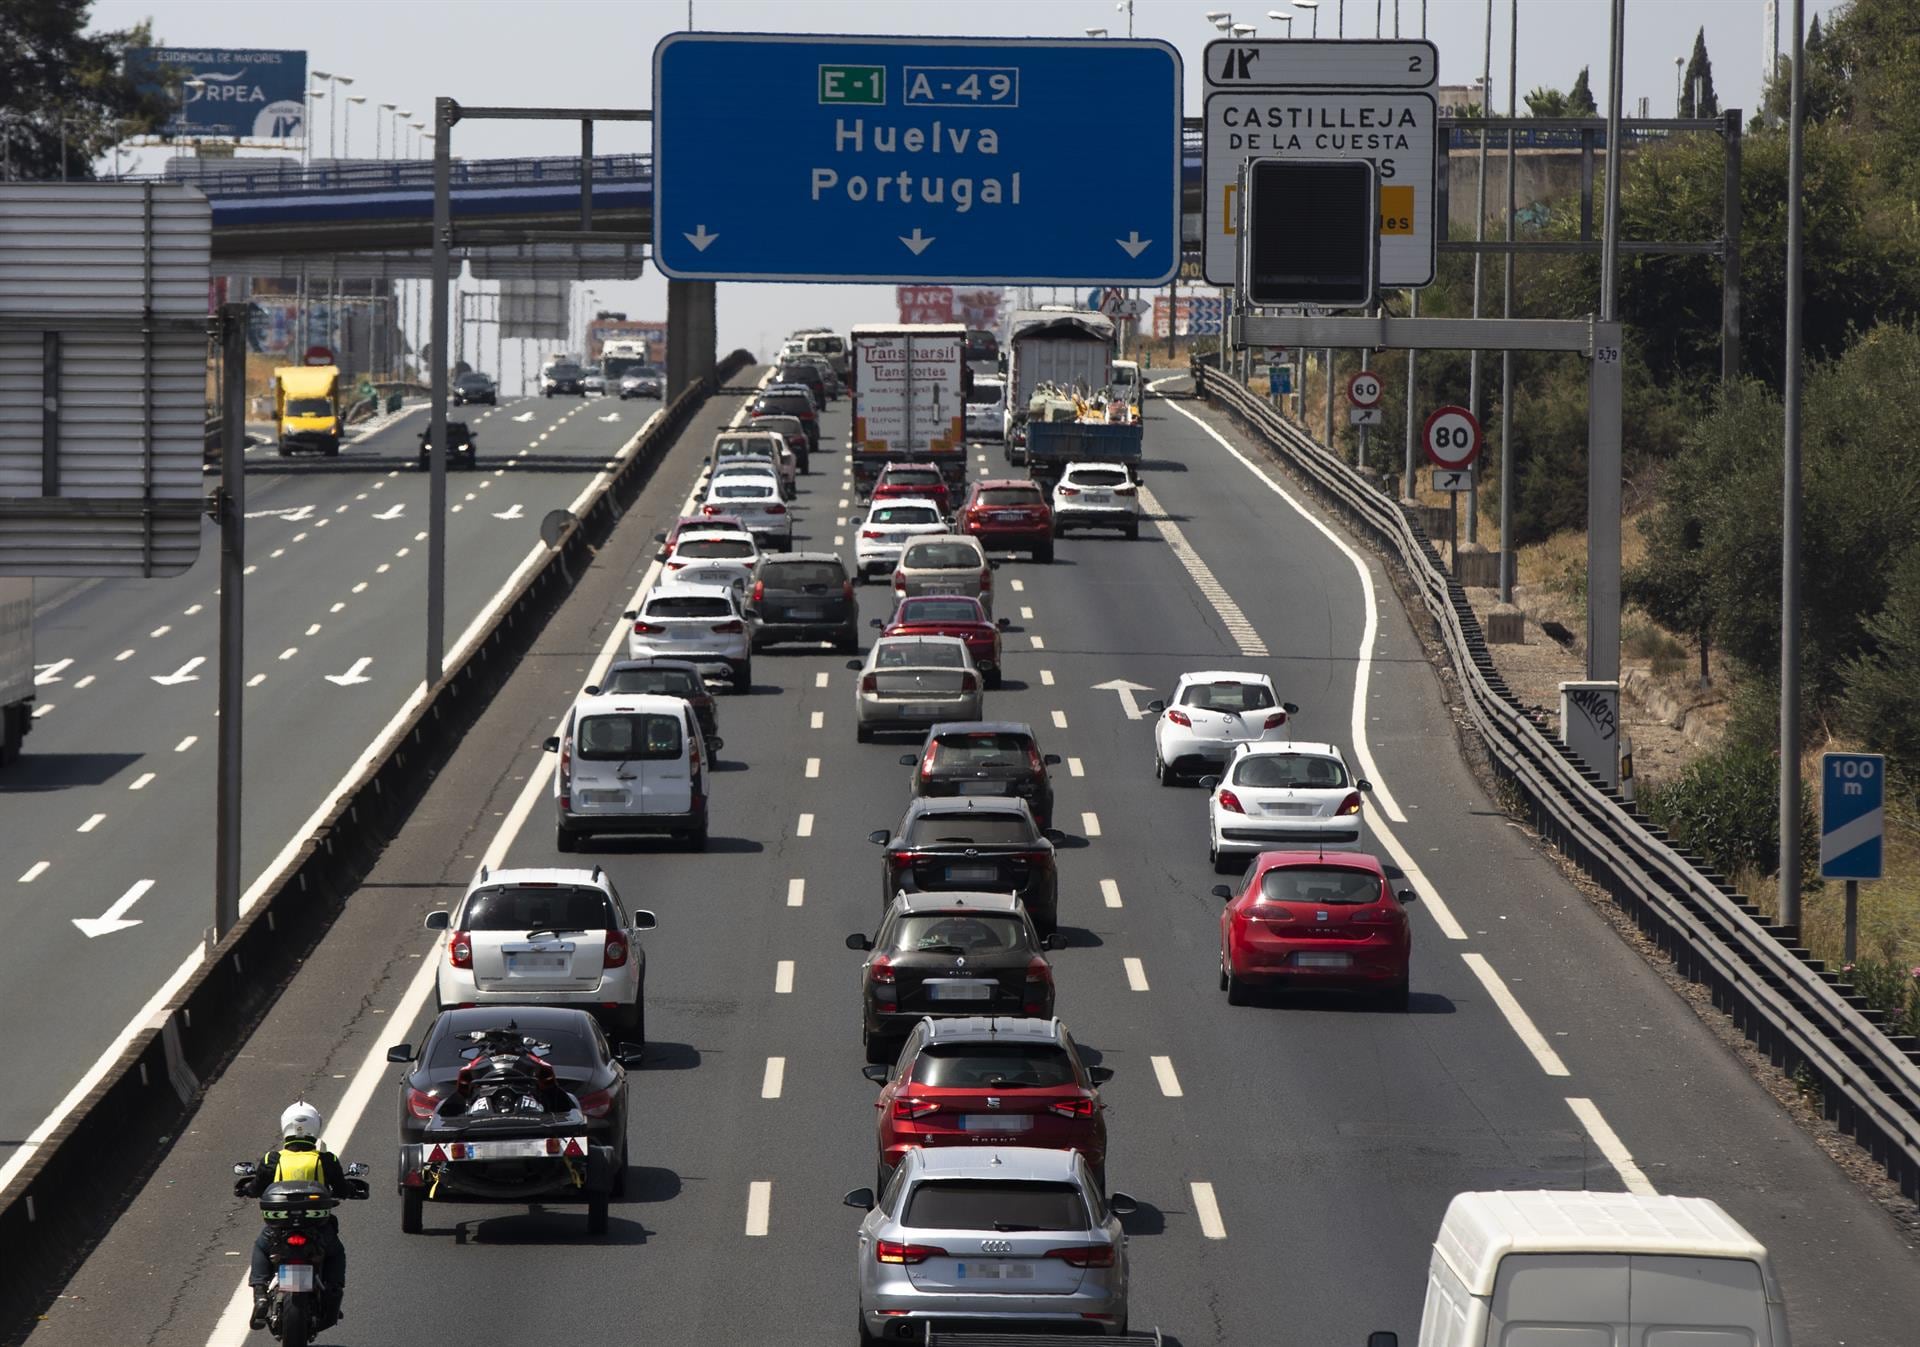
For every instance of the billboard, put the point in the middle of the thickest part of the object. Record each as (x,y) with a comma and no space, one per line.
(979,307)
(536,309)
(244,94)
(652,331)
(1196,316)
(924,303)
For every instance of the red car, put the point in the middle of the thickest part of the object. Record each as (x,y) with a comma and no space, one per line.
(914,481)
(1010,515)
(991,1081)
(951,615)
(1312,919)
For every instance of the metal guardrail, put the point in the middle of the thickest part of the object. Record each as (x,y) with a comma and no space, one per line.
(1776,993)
(276,177)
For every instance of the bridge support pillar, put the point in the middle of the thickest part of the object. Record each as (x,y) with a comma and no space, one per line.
(692,334)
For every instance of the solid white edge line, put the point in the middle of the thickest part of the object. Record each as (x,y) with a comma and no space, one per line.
(1207,1208)
(1517,1017)
(759,1206)
(1612,1147)
(776,1075)
(1163,1072)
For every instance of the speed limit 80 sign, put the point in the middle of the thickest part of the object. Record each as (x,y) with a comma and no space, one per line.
(1452,438)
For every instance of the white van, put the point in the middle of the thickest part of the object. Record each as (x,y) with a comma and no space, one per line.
(630,764)
(1528,1269)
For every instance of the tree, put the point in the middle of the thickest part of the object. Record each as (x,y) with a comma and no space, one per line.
(1697,98)
(67,86)
(1580,98)
(1577,102)
(1880,707)
(1545,102)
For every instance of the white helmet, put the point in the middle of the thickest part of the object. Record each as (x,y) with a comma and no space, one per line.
(301,1120)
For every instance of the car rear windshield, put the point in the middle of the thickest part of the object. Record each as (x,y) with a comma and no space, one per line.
(784,425)
(475,381)
(654,683)
(1304,884)
(966,1204)
(981,748)
(1227,696)
(792,404)
(919,655)
(797,374)
(689,605)
(733,446)
(744,489)
(565,1048)
(972,826)
(904,514)
(628,736)
(1279,770)
(826,345)
(1009,495)
(546,907)
(940,610)
(717,547)
(969,933)
(567,372)
(800,574)
(940,557)
(912,477)
(1097,477)
(309,407)
(986,393)
(993,1065)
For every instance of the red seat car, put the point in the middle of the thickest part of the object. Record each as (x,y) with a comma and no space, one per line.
(951,615)
(991,1081)
(1010,515)
(914,481)
(1308,919)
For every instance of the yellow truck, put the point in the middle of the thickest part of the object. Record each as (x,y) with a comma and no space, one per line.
(306,408)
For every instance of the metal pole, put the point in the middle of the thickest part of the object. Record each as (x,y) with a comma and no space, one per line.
(437,489)
(1730,255)
(1506,311)
(1852,946)
(1407,491)
(1479,236)
(1610,226)
(586,175)
(1328,353)
(1789,913)
(1360,447)
(233,516)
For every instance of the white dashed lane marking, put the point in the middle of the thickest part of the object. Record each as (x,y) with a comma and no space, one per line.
(783,977)
(34,871)
(1136,974)
(186,743)
(1090,824)
(1611,1146)
(796,892)
(1075,767)
(776,1075)
(1169,1083)
(140,782)
(93,822)
(805,827)
(1110,892)
(759,1205)
(1517,1018)
(1207,1208)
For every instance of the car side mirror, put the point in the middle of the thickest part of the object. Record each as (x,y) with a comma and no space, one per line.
(1005,624)
(592,690)
(552,745)
(1209,782)
(1120,1204)
(861,1198)
(1290,708)
(878,837)
(909,759)
(1363,785)
(1222,892)
(1054,835)
(1099,1075)
(877,1074)
(877,624)
(631,614)
(1155,705)
(1052,759)
(716,743)
(399,1052)
(855,665)
(659,537)
(993,565)
(439,920)
(1052,940)
(1381,1337)
(859,940)
(1407,896)
(644,920)
(661,555)
(631,1054)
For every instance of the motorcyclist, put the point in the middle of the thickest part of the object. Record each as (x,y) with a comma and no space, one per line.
(301,1158)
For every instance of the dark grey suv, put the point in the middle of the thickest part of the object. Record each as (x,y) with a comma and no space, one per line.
(804,596)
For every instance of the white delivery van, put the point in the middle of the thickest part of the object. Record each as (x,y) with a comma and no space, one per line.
(1567,1269)
(630,764)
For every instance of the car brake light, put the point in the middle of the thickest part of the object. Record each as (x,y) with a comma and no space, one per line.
(1083,1255)
(1350,805)
(759,590)
(1069,491)
(869,533)
(846,590)
(1124,491)
(597,1103)
(733,628)
(968,682)
(614,953)
(899,579)
(1039,860)
(1034,764)
(1230,802)
(1276,720)
(420,1104)
(900,860)
(893,1251)
(642,628)
(986,577)
(776,508)
(460,950)
(710,509)
(1180,718)
(881,969)
(933,747)
(1381,915)
(1039,970)
(1072,1108)
(1267,910)
(869,683)
(914,1108)
(676,565)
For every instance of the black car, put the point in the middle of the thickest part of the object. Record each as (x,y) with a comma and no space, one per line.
(475,387)
(807,374)
(667,678)
(985,757)
(564,377)
(972,844)
(584,1065)
(804,596)
(798,403)
(459,446)
(949,954)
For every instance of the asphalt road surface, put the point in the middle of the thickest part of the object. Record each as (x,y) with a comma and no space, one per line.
(113,799)
(1292,1160)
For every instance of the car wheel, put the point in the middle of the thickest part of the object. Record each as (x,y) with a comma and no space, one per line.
(619,1188)
(1238,993)
(742,677)
(1395,998)
(880,1051)
(697,839)
(993,678)
(1222,865)
(863,733)
(866,1339)
(1059,530)
(1165,773)
(564,840)
(848,642)
(596,1216)
(413,1210)
(1133,532)
(1044,555)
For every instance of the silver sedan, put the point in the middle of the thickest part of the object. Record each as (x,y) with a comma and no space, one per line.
(911,682)
(1010,1233)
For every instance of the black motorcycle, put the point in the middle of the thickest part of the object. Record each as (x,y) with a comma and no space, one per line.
(299,1220)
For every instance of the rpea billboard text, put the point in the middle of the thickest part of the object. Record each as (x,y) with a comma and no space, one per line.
(224,92)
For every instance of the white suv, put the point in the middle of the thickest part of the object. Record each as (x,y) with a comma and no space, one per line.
(706,625)
(546,937)
(1096,496)
(889,526)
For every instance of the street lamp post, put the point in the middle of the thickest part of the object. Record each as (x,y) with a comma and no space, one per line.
(333,117)
(306,149)
(1282,16)
(1312,7)
(419,130)
(379,126)
(351,100)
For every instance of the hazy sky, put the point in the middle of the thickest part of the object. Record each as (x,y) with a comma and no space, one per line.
(598,53)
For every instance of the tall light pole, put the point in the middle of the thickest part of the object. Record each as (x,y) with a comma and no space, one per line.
(419,130)
(1789,906)
(379,125)
(1125,6)
(307,149)
(1312,7)
(399,131)
(351,100)
(1282,16)
(333,120)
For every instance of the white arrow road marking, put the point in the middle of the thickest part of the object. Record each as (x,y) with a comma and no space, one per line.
(524,416)
(611,416)
(392,511)
(511,512)
(1126,691)
(184,674)
(917,243)
(114,918)
(292,515)
(49,673)
(353,675)
(700,238)
(1134,244)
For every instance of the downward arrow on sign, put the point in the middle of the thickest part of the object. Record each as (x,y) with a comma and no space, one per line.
(1134,244)
(114,918)
(917,243)
(700,238)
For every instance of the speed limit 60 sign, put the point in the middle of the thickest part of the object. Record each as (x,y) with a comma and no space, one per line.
(1364,389)
(1453,437)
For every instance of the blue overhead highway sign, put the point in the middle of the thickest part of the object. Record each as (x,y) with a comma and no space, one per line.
(1853,791)
(969,160)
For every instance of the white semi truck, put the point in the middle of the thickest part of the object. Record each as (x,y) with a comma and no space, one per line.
(16,666)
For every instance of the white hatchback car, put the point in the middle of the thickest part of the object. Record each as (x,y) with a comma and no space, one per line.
(889,526)
(1096,496)
(546,937)
(1289,796)
(633,764)
(755,499)
(706,625)
(1208,715)
(713,557)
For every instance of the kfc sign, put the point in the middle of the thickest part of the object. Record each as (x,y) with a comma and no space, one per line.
(925,303)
